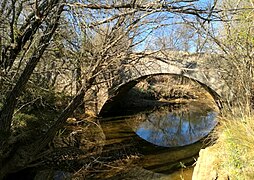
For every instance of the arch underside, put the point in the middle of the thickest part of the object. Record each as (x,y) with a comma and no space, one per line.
(118,92)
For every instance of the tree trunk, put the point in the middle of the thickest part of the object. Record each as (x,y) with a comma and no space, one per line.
(9,105)
(21,156)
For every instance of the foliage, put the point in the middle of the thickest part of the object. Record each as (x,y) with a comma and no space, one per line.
(233,40)
(21,121)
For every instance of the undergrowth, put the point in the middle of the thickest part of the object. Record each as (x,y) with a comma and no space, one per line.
(236,147)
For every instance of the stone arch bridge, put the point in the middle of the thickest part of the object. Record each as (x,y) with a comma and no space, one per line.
(198,68)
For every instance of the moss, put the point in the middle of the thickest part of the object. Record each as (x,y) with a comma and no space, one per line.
(21,121)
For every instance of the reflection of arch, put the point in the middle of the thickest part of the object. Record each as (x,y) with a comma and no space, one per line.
(120,91)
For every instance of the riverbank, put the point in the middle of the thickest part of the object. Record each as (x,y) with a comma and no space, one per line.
(232,155)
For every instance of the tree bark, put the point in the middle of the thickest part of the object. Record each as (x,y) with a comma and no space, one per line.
(19,158)
(7,111)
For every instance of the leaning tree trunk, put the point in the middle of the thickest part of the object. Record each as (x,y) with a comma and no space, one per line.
(7,111)
(12,157)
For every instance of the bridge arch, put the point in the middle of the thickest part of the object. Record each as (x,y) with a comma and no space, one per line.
(118,92)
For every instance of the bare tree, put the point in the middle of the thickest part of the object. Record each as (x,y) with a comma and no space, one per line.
(30,31)
(231,39)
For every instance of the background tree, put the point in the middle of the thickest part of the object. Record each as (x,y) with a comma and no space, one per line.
(232,40)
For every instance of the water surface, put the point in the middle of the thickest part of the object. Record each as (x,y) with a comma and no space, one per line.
(167,128)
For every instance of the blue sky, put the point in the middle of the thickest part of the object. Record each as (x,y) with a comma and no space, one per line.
(170,31)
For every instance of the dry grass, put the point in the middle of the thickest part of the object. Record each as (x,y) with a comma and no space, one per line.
(236,147)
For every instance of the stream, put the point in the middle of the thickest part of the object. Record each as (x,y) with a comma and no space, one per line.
(162,120)
(167,138)
(149,129)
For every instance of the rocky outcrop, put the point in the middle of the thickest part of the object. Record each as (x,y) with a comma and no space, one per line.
(207,165)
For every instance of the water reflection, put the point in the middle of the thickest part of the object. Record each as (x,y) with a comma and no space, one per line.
(167,128)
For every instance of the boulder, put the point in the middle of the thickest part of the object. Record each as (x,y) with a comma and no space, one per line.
(207,165)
